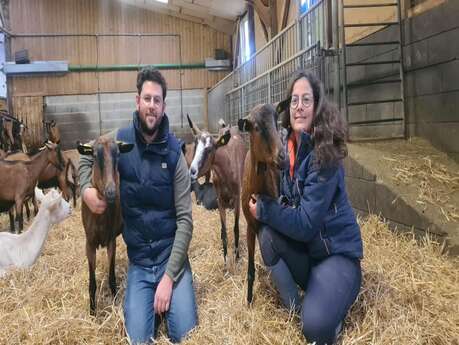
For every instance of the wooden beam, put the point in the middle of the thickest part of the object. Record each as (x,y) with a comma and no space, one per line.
(285,14)
(262,11)
(265,30)
(273,14)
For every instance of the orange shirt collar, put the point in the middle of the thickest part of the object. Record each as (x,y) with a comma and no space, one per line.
(292,145)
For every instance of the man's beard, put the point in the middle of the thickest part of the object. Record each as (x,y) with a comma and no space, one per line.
(145,129)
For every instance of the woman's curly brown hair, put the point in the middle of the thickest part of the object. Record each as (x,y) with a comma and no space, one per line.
(328,130)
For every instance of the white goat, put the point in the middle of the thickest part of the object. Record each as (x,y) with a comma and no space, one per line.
(22,250)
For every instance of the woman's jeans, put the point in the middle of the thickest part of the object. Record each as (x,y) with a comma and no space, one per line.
(331,285)
(139,313)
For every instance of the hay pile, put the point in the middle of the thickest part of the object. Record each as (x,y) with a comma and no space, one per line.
(417,163)
(410,294)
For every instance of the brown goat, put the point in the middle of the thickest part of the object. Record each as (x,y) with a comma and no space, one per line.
(51,176)
(225,157)
(102,229)
(52,131)
(261,172)
(18,178)
(8,133)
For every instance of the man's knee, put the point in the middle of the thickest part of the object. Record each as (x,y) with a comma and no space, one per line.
(319,329)
(182,316)
(138,329)
(268,250)
(179,329)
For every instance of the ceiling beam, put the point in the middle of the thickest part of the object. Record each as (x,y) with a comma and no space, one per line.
(285,14)
(267,15)
(184,12)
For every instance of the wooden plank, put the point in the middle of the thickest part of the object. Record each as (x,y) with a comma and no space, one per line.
(91,17)
(30,111)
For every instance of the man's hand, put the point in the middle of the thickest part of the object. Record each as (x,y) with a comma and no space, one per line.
(253,206)
(92,200)
(163,294)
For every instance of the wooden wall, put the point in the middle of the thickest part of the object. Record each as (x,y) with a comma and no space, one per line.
(108,16)
(30,111)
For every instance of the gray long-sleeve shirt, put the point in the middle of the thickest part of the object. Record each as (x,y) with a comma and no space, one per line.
(182,195)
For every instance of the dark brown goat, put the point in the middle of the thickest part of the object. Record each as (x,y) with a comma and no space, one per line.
(102,229)
(8,134)
(225,158)
(261,172)
(18,178)
(52,131)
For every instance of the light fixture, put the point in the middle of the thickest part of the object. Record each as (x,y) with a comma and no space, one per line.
(163,1)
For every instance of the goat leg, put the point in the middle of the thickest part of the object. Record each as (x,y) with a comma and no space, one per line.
(251,263)
(236,229)
(223,232)
(91,255)
(19,215)
(35,206)
(111,253)
(11,214)
(27,208)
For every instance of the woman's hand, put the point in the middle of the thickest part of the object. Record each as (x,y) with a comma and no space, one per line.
(253,205)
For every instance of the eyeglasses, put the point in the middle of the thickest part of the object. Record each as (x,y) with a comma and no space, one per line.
(307,102)
(149,100)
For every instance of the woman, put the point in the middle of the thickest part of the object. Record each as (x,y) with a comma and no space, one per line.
(310,237)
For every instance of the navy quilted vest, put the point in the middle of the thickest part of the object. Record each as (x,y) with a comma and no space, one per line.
(147,193)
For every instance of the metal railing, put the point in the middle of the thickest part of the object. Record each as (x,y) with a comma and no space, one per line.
(270,87)
(303,33)
(264,77)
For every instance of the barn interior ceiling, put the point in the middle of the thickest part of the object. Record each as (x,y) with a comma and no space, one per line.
(219,14)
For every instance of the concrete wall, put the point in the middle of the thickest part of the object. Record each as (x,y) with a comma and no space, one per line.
(84,117)
(431,81)
(216,102)
(370,194)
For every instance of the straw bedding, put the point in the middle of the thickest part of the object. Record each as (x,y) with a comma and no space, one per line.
(410,293)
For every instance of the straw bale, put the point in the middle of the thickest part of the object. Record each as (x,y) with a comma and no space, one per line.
(410,293)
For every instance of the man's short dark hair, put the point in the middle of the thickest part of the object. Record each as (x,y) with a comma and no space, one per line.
(150,73)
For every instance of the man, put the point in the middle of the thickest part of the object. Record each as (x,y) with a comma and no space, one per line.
(156,206)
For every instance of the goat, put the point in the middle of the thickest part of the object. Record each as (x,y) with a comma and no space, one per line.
(205,194)
(51,176)
(102,229)
(18,178)
(52,131)
(8,134)
(224,157)
(22,250)
(261,171)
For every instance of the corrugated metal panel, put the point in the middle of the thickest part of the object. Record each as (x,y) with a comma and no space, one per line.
(78,116)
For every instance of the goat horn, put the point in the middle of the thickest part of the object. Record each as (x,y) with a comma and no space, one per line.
(195,129)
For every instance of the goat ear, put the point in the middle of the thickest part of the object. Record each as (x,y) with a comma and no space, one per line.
(85,149)
(224,139)
(244,125)
(282,105)
(124,147)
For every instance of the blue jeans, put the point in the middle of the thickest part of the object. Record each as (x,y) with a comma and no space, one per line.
(331,285)
(140,319)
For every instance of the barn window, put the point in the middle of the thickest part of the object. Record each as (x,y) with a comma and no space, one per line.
(305,5)
(245,45)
